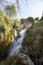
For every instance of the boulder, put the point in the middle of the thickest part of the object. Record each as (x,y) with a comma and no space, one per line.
(19,59)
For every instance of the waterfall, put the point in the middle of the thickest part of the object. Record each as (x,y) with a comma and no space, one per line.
(15,47)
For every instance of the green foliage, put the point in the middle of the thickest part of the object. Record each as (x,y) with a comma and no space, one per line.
(18,25)
(11,10)
(1,13)
(27,22)
(30,19)
(41,18)
(40,24)
(36,18)
(23,20)
(6,32)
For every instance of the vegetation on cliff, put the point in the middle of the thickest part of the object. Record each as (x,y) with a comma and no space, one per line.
(18,25)
(6,32)
(33,41)
(34,37)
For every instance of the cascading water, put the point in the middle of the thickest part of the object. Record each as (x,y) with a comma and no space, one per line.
(16,45)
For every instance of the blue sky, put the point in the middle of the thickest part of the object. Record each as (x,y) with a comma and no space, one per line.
(32,8)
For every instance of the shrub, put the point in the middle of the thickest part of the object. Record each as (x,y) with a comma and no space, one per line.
(6,32)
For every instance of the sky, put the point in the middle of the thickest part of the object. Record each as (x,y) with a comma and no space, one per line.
(32,8)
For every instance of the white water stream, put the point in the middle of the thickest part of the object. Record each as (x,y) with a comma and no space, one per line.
(17,44)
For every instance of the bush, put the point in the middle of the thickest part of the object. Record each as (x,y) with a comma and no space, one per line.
(18,25)
(6,32)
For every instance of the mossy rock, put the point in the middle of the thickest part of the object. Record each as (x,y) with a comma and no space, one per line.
(13,60)
(19,59)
